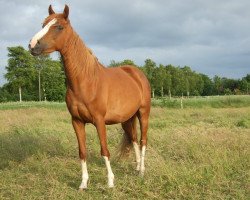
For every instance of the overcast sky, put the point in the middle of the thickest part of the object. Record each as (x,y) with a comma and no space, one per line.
(212,37)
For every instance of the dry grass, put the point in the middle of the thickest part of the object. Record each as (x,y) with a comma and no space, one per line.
(192,154)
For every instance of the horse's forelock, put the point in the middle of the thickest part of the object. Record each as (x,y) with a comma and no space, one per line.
(59,17)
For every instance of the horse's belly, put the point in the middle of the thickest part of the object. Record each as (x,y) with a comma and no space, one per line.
(114,118)
(121,111)
(124,100)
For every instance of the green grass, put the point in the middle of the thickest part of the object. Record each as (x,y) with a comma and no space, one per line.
(204,102)
(32,104)
(192,154)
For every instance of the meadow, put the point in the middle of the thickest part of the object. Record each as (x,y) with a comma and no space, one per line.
(198,152)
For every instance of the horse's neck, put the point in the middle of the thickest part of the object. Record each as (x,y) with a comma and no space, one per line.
(79,62)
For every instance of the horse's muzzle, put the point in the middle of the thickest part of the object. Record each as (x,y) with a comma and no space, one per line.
(37,50)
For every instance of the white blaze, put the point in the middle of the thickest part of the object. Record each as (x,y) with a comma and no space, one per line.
(41,33)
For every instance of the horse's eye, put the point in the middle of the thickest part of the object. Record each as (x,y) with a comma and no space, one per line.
(59,27)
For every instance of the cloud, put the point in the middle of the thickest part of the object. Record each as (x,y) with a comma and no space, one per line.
(213,37)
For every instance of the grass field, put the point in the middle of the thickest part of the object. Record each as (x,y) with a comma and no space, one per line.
(199,152)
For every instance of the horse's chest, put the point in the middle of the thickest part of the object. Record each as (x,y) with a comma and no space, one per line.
(80,111)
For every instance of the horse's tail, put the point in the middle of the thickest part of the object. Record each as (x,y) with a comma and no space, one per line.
(129,134)
(125,147)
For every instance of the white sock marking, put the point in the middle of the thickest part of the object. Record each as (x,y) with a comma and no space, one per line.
(85,175)
(110,173)
(41,33)
(137,155)
(143,151)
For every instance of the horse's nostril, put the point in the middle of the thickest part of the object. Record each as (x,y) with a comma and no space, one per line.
(38,42)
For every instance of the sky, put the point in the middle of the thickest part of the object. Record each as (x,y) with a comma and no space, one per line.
(212,37)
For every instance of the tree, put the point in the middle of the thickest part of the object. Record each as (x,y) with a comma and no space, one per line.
(159,74)
(33,77)
(217,85)
(208,85)
(168,79)
(124,62)
(178,81)
(40,62)
(188,78)
(245,84)
(198,85)
(53,81)
(229,84)
(20,71)
(5,95)
(150,72)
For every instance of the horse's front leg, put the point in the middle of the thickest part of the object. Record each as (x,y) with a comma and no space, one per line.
(101,129)
(81,137)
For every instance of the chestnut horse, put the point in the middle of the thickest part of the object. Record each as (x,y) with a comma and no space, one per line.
(96,94)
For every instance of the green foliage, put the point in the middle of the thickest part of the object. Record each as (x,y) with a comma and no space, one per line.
(244,123)
(20,72)
(5,95)
(53,81)
(182,81)
(19,68)
(23,72)
(208,85)
(124,62)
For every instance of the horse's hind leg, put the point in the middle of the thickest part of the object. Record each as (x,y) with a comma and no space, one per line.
(129,128)
(143,116)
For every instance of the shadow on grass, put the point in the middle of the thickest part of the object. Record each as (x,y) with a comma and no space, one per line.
(20,144)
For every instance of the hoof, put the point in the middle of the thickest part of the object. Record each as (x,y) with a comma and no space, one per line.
(83,186)
(111,184)
(111,179)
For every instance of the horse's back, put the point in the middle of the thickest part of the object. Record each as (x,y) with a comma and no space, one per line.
(138,77)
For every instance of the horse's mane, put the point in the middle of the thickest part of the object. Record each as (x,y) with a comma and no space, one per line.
(79,58)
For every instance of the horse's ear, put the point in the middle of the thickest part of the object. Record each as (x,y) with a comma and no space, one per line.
(66,11)
(51,11)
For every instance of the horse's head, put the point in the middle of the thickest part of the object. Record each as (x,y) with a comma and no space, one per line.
(54,34)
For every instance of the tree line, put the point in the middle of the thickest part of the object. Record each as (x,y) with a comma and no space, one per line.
(41,78)
(169,80)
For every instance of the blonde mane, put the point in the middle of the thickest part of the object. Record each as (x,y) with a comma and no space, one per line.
(79,58)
